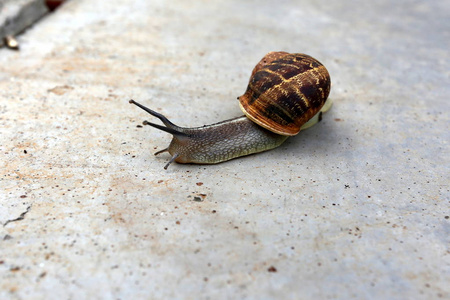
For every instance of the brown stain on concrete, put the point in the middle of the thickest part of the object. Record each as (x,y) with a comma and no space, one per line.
(60,90)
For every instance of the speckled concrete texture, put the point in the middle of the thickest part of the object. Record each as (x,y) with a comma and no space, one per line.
(356,207)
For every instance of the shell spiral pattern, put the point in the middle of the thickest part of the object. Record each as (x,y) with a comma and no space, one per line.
(285,91)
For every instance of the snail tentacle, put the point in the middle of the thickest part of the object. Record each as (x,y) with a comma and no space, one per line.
(171,161)
(162,151)
(170,130)
(170,127)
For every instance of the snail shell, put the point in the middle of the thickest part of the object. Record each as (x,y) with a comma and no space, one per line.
(285,91)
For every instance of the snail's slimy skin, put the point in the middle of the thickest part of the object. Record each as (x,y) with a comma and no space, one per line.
(223,141)
(219,142)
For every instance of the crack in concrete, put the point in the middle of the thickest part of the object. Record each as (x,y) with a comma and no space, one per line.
(21,217)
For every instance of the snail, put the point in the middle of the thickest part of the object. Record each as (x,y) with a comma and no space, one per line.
(286,93)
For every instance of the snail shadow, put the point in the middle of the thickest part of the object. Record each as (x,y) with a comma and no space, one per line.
(320,138)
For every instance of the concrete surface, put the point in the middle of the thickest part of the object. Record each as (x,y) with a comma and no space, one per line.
(357,207)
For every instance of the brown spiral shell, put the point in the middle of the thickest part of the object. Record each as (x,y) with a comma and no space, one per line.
(285,91)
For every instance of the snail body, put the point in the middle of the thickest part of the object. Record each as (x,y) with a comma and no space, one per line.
(286,93)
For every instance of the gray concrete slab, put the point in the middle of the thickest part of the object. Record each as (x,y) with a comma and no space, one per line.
(356,207)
